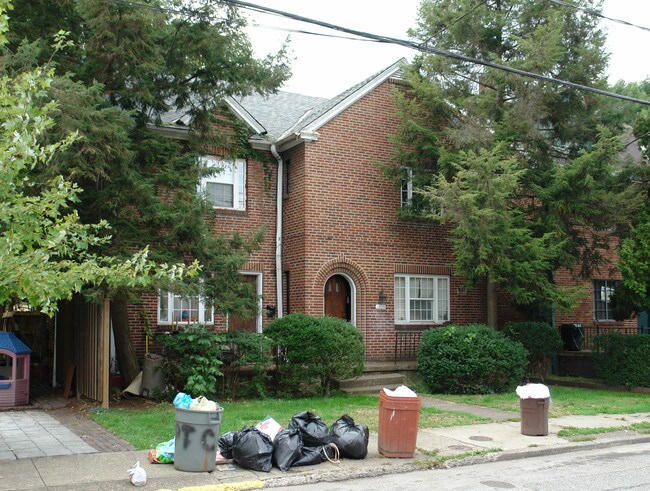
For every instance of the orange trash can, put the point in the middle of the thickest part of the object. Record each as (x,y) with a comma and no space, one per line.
(398,425)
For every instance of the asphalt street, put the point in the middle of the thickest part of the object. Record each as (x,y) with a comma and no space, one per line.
(616,468)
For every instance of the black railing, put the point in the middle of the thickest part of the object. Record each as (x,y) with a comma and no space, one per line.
(406,345)
(577,337)
(592,331)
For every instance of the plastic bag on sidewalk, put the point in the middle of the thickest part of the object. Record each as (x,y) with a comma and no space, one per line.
(316,455)
(163,453)
(252,449)
(137,475)
(313,431)
(287,448)
(351,439)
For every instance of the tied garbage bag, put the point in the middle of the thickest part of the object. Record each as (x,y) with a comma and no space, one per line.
(287,448)
(316,455)
(351,439)
(313,431)
(202,403)
(252,449)
(137,475)
(225,444)
(182,400)
(533,391)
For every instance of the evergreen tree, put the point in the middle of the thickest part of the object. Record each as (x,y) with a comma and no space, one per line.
(457,113)
(130,63)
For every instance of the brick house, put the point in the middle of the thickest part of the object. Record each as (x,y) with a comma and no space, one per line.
(334,244)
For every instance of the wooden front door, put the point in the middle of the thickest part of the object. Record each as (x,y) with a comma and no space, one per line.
(238,323)
(337,298)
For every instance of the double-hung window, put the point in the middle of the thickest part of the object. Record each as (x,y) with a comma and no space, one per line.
(225,183)
(407,188)
(603,290)
(411,199)
(421,299)
(176,309)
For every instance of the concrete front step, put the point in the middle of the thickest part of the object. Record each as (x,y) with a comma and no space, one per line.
(370,389)
(371,381)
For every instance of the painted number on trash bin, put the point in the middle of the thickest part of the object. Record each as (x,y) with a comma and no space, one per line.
(184,431)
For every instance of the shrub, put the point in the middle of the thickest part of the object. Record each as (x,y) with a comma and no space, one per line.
(246,366)
(623,360)
(541,341)
(192,359)
(473,359)
(313,352)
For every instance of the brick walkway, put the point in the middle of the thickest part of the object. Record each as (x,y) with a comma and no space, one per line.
(90,432)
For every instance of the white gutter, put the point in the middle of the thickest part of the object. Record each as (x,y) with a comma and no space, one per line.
(278,232)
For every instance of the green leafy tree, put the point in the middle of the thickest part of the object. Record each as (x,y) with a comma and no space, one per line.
(128,65)
(557,196)
(46,252)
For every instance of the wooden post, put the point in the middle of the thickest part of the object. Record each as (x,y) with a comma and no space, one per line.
(104,365)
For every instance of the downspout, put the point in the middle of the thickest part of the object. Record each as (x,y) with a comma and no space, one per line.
(278,232)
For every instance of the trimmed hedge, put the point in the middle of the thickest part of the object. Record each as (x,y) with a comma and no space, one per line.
(622,359)
(474,359)
(541,341)
(313,352)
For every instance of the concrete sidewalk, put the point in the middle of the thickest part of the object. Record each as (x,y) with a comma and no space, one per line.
(435,447)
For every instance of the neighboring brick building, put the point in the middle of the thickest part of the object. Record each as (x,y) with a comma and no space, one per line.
(341,249)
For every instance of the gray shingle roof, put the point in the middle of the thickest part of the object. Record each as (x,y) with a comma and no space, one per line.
(285,113)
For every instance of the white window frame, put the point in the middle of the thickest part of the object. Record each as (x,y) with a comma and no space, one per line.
(406,189)
(229,172)
(168,320)
(440,305)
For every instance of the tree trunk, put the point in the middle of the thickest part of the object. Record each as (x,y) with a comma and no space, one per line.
(491,302)
(124,349)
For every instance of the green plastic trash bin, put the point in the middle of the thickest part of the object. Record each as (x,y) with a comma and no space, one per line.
(197,437)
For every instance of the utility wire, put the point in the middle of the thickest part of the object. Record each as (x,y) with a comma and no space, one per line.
(436,51)
(598,14)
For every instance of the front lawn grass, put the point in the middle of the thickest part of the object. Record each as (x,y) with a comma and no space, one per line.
(565,401)
(145,428)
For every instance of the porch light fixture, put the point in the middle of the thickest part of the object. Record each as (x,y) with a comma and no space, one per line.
(382,297)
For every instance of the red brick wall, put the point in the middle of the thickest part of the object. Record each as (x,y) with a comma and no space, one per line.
(261,182)
(341,218)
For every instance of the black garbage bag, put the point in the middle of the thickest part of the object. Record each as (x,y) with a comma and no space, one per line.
(252,449)
(287,448)
(310,456)
(225,444)
(351,439)
(316,455)
(313,431)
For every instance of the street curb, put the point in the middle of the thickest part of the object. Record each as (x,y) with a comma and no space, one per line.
(545,451)
(417,464)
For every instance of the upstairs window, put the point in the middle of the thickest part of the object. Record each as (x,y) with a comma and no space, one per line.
(412,202)
(421,299)
(225,187)
(603,291)
(175,309)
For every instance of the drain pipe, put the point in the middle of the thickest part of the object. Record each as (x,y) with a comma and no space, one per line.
(278,232)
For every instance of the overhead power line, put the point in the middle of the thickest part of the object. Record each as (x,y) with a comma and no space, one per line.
(598,14)
(436,51)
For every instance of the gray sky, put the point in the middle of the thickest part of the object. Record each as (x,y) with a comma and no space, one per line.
(325,66)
